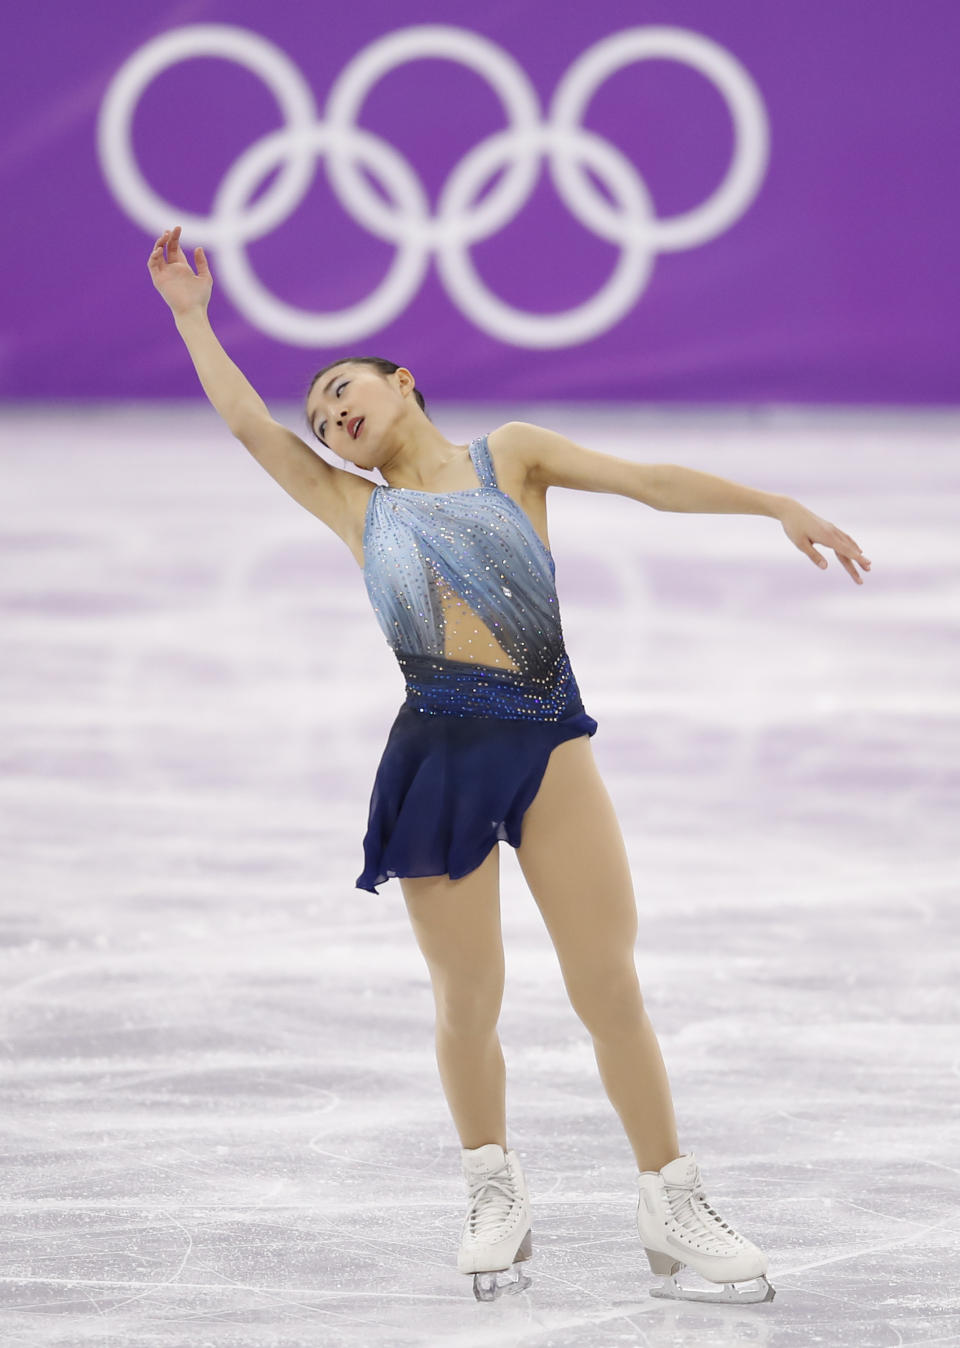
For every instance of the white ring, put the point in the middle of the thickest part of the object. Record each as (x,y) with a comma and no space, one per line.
(114,142)
(732,81)
(285,321)
(611,302)
(508,81)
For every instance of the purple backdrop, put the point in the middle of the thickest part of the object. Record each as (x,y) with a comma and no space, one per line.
(827,273)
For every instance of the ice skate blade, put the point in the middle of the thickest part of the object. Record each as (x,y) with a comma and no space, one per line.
(489,1286)
(670,1288)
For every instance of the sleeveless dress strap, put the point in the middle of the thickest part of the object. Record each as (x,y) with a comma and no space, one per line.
(483,461)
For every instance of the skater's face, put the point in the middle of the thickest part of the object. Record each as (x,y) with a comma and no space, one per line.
(353,409)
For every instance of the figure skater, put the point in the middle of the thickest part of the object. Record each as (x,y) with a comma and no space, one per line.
(491,744)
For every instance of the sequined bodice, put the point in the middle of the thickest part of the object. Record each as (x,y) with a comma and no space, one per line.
(462,575)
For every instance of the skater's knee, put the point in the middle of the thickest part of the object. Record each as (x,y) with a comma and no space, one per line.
(608,1000)
(470,1010)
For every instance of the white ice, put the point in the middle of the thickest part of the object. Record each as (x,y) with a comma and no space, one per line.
(221,1114)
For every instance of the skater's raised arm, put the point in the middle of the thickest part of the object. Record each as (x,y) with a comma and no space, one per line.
(188,295)
(332,494)
(551,459)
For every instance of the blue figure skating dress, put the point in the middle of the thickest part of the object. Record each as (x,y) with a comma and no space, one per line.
(463,589)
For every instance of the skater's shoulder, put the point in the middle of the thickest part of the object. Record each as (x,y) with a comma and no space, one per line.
(546,458)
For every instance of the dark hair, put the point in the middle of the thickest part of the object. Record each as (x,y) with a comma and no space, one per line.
(379,364)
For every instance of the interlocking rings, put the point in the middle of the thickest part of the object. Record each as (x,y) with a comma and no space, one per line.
(405,221)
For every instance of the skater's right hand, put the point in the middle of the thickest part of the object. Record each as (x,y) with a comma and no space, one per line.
(180,286)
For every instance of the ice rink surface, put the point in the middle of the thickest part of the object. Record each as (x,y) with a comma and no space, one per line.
(222,1118)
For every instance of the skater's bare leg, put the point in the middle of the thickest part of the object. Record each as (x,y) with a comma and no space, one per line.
(573,858)
(457,926)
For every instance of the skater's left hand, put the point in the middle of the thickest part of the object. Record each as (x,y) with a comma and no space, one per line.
(804,528)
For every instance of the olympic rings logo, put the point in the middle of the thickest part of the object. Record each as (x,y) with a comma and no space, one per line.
(406,222)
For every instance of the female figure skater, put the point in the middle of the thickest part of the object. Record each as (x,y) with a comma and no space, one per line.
(493,744)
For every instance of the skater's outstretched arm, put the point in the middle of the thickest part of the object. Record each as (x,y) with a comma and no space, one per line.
(551,460)
(332,494)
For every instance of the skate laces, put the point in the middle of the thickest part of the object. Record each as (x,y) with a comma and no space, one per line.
(696,1218)
(492,1200)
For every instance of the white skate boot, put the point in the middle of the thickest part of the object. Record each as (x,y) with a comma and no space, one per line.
(678,1226)
(496,1233)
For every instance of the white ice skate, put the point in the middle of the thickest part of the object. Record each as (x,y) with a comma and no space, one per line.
(679,1227)
(496,1235)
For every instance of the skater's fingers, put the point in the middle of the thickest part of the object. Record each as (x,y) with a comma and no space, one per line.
(158,247)
(850,547)
(156,262)
(849,566)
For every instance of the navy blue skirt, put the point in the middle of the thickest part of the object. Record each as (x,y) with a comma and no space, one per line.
(449,786)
